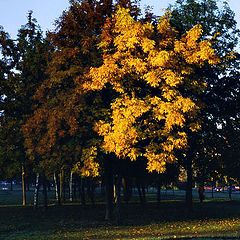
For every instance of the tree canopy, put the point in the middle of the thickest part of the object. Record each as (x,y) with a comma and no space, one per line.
(152,72)
(111,85)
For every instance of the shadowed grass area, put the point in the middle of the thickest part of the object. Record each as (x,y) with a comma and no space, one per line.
(169,220)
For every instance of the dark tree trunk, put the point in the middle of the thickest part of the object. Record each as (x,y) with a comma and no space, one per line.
(70,187)
(127,189)
(11,185)
(49,186)
(90,190)
(189,182)
(82,191)
(212,189)
(36,191)
(28,186)
(143,194)
(63,186)
(158,193)
(23,186)
(102,189)
(230,191)
(79,182)
(140,194)
(45,197)
(74,188)
(108,175)
(117,200)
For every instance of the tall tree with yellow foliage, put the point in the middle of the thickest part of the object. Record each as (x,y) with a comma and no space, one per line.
(145,72)
(152,71)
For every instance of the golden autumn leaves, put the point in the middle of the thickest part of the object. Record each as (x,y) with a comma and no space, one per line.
(152,72)
(161,66)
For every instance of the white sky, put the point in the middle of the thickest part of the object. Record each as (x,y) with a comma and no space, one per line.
(13,12)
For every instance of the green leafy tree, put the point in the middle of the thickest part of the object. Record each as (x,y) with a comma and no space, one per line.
(216,19)
(26,60)
(7,62)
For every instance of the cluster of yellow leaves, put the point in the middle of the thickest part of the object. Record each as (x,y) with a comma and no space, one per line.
(172,111)
(195,53)
(165,65)
(87,166)
(120,135)
(167,31)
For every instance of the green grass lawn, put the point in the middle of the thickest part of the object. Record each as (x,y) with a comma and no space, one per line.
(214,219)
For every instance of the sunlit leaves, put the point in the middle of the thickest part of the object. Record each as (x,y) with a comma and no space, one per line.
(121,135)
(193,51)
(87,166)
(150,124)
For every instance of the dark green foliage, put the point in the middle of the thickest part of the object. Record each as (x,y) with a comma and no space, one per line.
(23,63)
(216,145)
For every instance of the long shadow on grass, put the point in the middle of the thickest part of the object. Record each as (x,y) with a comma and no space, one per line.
(169,211)
(71,218)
